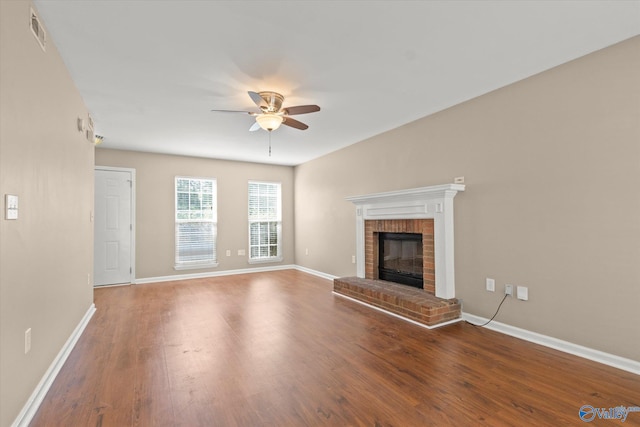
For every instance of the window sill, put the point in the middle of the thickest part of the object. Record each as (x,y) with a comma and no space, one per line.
(195,266)
(265,260)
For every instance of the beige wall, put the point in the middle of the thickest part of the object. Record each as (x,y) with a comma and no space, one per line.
(44,256)
(552,167)
(155,174)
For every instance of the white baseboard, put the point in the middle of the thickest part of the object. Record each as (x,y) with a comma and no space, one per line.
(315,272)
(213,274)
(33,403)
(557,344)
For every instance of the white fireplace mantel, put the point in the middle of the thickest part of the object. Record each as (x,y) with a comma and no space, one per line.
(435,202)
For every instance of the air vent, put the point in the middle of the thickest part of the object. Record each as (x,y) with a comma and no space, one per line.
(38,30)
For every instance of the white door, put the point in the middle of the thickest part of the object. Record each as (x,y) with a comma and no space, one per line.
(113,227)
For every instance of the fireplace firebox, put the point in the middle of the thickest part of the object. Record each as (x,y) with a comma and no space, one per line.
(400,258)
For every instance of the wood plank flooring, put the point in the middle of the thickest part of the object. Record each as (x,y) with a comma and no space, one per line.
(279,349)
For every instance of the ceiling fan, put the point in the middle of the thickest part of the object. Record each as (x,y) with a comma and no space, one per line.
(271,114)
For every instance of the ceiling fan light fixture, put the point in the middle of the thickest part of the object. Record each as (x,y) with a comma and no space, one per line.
(269,122)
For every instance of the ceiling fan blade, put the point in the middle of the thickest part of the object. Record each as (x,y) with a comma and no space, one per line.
(301,109)
(294,123)
(260,102)
(254,127)
(234,111)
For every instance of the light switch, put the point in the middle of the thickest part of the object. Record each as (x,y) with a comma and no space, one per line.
(11,206)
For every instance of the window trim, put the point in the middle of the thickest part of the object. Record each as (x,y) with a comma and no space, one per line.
(279,257)
(194,265)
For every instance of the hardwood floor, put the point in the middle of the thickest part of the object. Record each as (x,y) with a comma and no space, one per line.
(279,349)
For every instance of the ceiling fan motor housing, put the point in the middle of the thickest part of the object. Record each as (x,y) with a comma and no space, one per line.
(274,101)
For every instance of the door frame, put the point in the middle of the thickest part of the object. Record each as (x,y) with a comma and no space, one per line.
(132,174)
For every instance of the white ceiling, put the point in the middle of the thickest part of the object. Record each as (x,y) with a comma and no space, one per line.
(151,71)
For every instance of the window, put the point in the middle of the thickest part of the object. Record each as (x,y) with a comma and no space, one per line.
(265,221)
(196,223)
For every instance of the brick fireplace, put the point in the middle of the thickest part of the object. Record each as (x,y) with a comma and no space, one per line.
(427,212)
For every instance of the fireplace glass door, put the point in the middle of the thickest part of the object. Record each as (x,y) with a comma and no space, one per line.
(400,258)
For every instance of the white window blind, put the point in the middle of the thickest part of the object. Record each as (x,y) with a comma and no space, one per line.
(265,221)
(196,222)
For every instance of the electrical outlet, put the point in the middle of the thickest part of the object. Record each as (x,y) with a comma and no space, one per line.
(491,285)
(508,290)
(306,251)
(27,341)
(522,293)
(241,252)
(228,252)
(353,259)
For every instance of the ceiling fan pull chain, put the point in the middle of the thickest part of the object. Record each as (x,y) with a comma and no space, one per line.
(269,143)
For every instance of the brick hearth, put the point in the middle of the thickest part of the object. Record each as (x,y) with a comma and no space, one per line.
(406,301)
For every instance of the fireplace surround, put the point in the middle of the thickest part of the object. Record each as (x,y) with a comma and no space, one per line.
(397,209)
